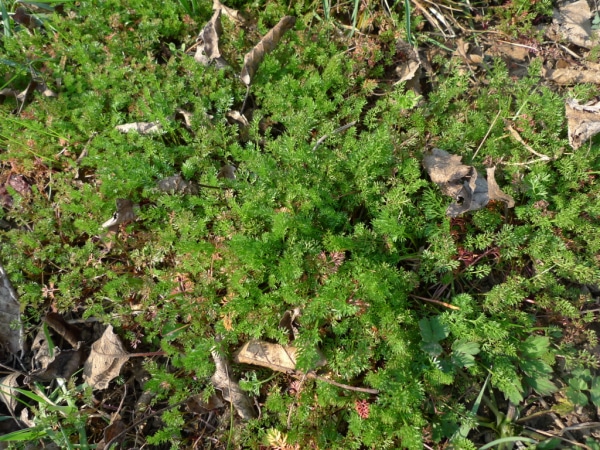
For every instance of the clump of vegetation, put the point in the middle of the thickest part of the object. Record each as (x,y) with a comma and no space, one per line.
(300,188)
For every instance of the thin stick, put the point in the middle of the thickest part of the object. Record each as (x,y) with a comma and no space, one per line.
(488,133)
(545,433)
(338,130)
(313,375)
(518,137)
(437,302)
(245,98)
(84,152)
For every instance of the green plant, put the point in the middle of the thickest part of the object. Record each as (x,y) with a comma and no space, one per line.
(330,212)
(56,416)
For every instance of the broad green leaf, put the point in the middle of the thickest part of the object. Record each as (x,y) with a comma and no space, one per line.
(462,359)
(432,348)
(576,396)
(595,391)
(28,434)
(533,367)
(433,330)
(542,385)
(578,383)
(469,348)
(535,346)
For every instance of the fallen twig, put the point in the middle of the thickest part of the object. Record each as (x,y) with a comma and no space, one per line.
(337,130)
(518,137)
(437,302)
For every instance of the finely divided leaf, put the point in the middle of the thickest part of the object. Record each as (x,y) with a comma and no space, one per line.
(255,56)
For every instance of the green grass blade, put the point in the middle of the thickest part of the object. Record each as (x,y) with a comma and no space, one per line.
(464,429)
(5,19)
(28,434)
(506,440)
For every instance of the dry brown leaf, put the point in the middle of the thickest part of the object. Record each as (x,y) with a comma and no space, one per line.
(461,182)
(569,77)
(184,117)
(229,12)
(42,88)
(254,57)
(494,192)
(115,431)
(177,185)
(572,22)
(11,328)
(583,121)
(125,213)
(63,364)
(227,171)
(274,356)
(8,92)
(69,332)
(223,380)
(208,40)
(409,70)
(8,395)
(196,404)
(288,321)
(105,361)
(140,127)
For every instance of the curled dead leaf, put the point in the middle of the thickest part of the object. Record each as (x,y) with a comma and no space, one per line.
(274,356)
(140,127)
(8,394)
(572,22)
(69,332)
(11,328)
(208,42)
(409,68)
(63,364)
(469,190)
(223,380)
(105,361)
(227,171)
(254,57)
(125,213)
(177,185)
(583,121)
(229,12)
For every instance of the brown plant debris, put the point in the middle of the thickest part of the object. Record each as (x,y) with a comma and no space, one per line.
(254,57)
(469,190)
(224,381)
(229,12)
(208,42)
(140,127)
(124,214)
(11,329)
(572,22)
(583,121)
(273,356)
(8,394)
(177,185)
(105,361)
